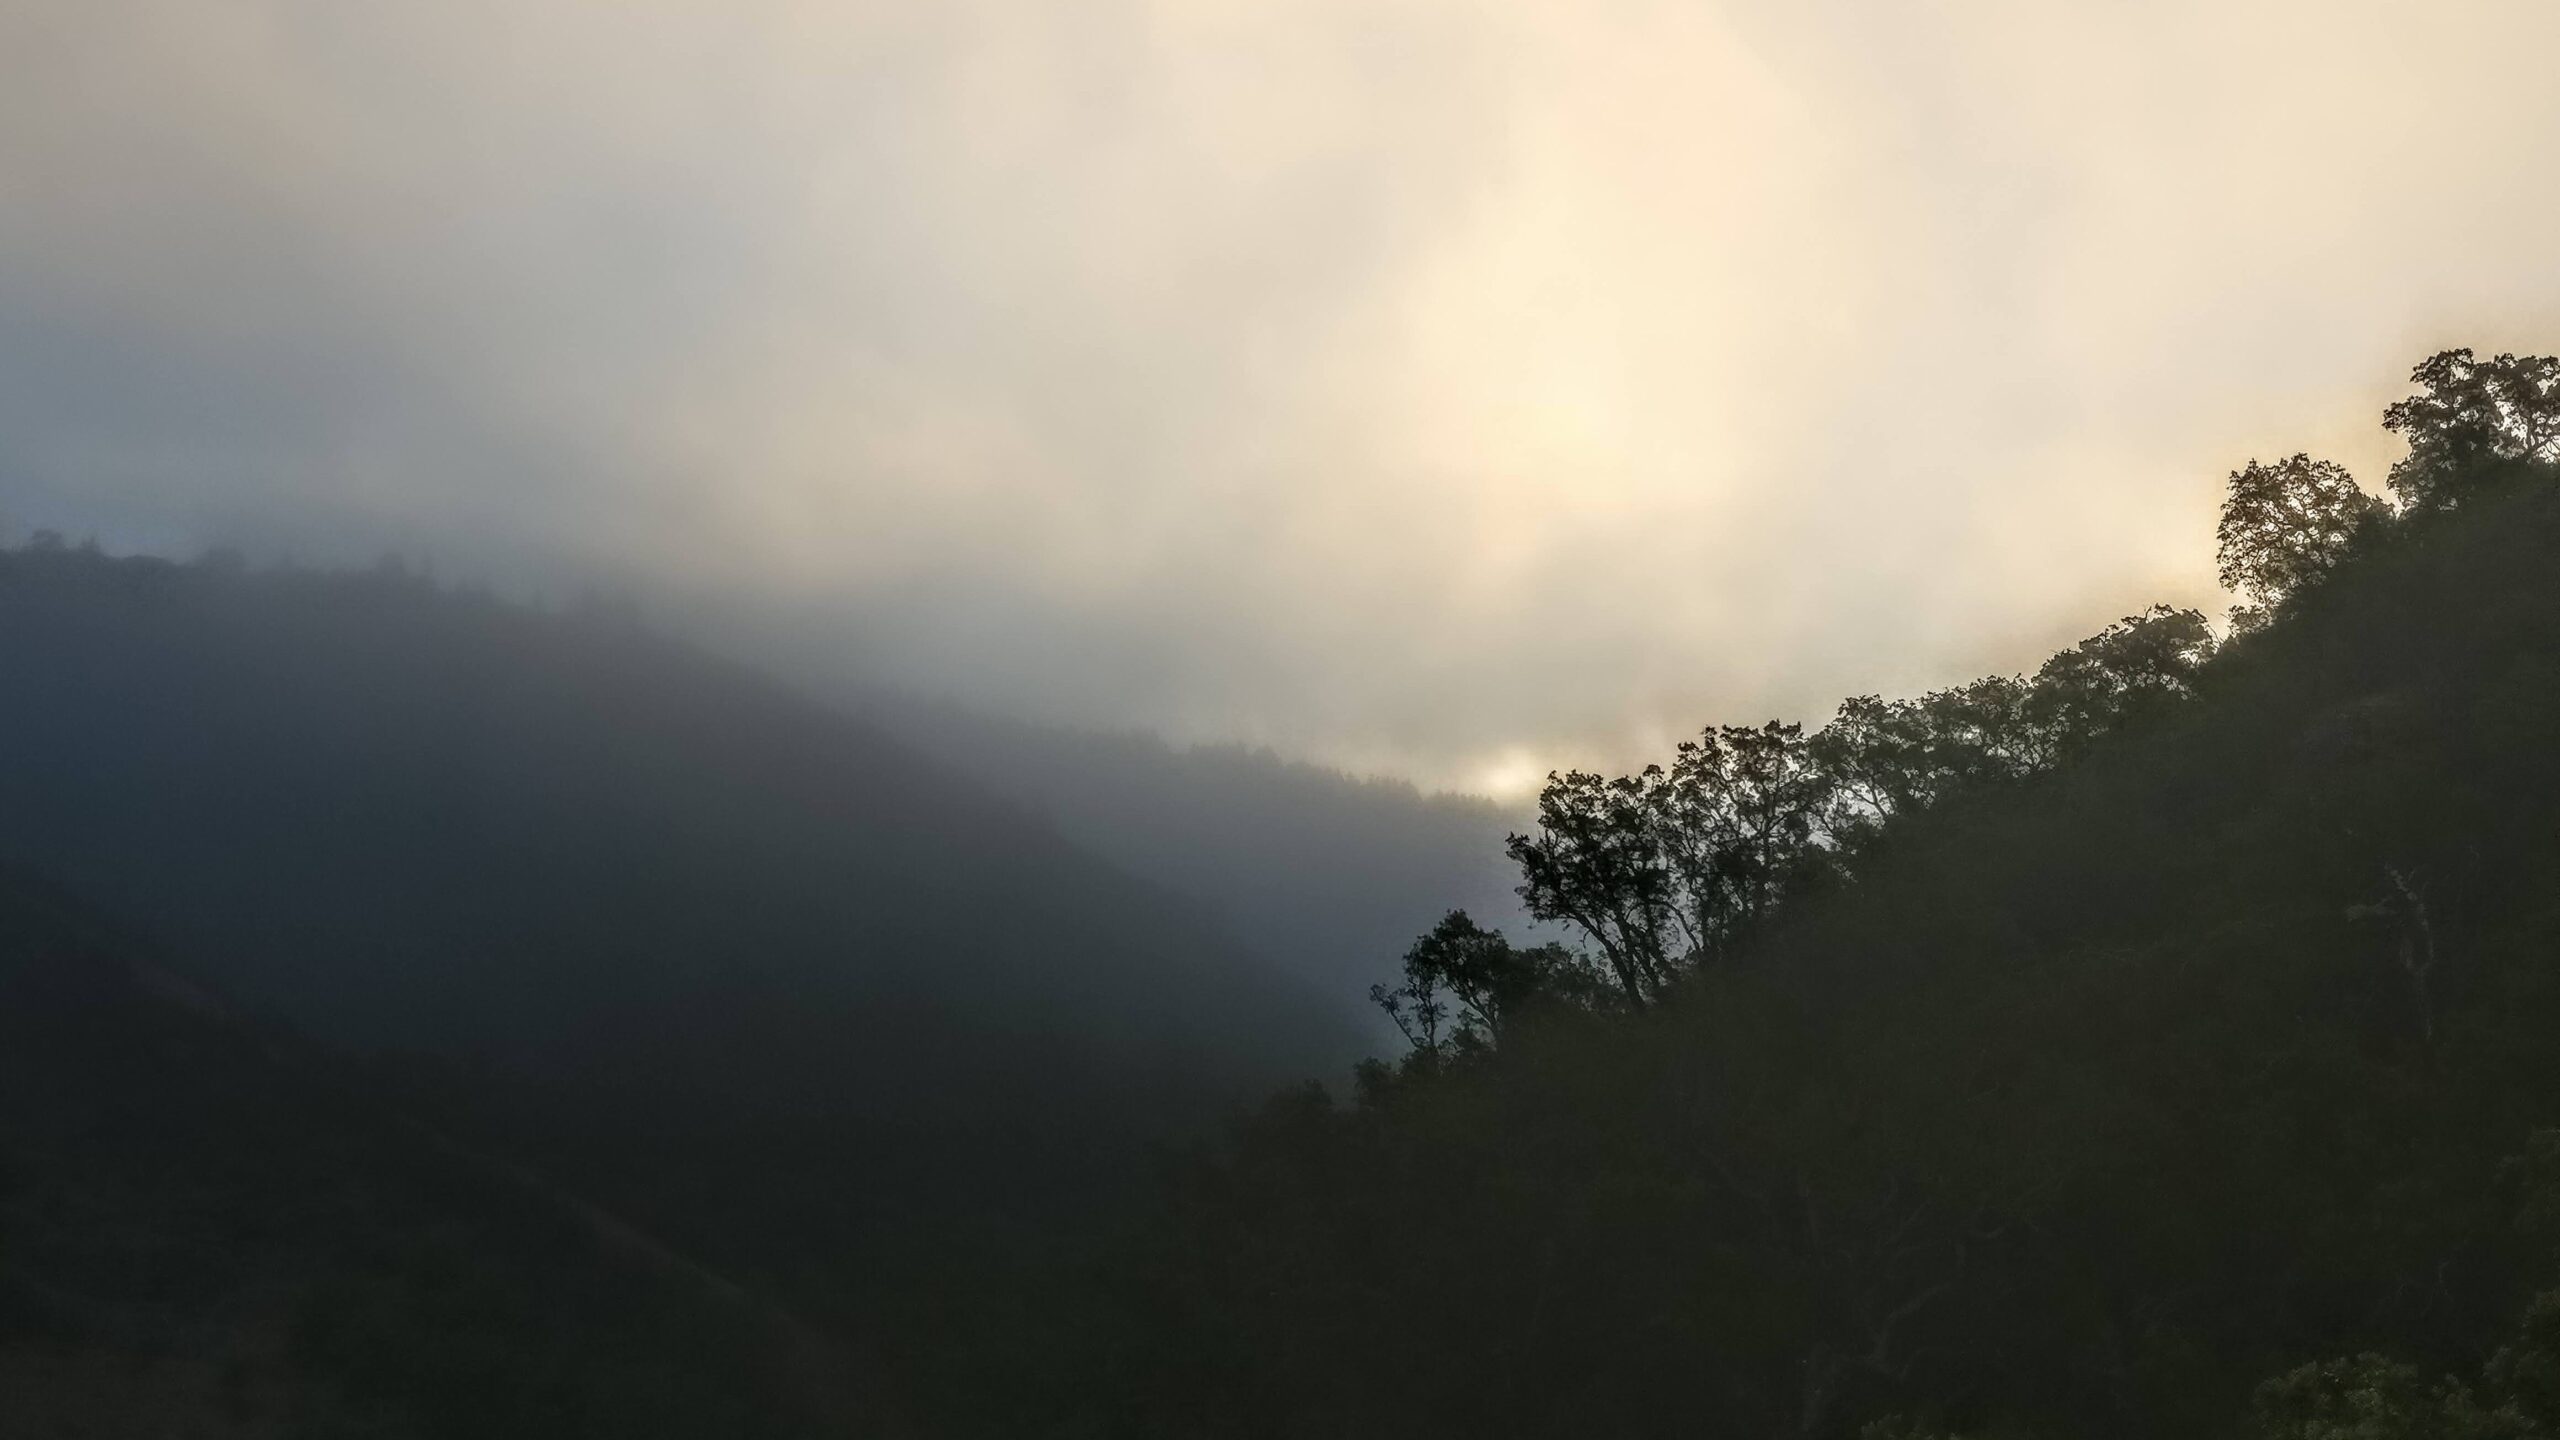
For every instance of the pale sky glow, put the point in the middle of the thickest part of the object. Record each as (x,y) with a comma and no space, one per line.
(1452,389)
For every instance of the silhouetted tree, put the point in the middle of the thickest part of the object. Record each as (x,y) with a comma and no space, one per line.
(1597,863)
(1416,1009)
(1882,758)
(2287,524)
(2110,677)
(1665,870)
(2473,416)
(1492,981)
(1669,869)
(1738,817)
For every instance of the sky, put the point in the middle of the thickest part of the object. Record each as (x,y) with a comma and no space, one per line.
(1447,390)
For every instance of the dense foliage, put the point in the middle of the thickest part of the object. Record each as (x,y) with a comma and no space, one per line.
(211,1229)
(2061,1054)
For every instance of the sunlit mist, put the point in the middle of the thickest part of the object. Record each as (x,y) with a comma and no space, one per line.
(1452,390)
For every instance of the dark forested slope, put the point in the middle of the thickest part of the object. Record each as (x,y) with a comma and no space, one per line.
(781,993)
(2159,1044)
(2061,1055)
(209,1228)
(399,816)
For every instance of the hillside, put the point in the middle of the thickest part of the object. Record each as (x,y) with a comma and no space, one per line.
(2127,1063)
(762,983)
(209,1228)
(400,817)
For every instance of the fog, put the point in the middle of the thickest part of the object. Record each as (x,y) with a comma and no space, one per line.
(1442,390)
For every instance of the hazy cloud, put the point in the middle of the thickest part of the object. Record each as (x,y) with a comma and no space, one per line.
(1456,388)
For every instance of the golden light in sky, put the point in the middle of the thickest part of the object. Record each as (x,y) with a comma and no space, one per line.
(1449,389)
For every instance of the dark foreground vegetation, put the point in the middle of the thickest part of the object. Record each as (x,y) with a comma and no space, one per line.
(211,1229)
(2165,1043)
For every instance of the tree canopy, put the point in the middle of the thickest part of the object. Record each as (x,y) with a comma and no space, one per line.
(1669,869)
(2471,419)
(2288,524)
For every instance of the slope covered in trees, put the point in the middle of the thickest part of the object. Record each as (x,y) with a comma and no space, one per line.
(2058,1055)
(209,1228)
(398,816)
